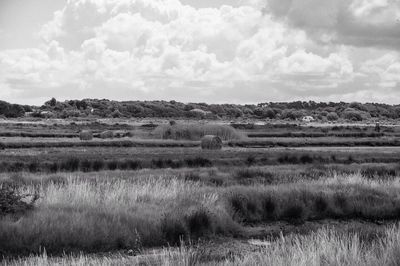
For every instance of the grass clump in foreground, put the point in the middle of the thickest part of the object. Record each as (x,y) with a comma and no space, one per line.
(324,247)
(93,214)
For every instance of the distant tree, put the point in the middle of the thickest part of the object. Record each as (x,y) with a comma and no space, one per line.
(292,114)
(265,112)
(352,114)
(52,102)
(11,110)
(116,114)
(332,116)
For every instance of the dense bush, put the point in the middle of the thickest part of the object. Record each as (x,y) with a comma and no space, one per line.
(11,202)
(11,110)
(332,116)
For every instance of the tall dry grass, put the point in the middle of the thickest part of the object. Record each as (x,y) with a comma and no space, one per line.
(324,247)
(93,214)
(99,215)
(196,132)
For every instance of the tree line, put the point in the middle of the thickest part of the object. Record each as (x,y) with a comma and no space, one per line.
(104,108)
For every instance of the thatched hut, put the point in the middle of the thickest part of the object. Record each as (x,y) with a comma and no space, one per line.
(86,135)
(211,142)
(107,134)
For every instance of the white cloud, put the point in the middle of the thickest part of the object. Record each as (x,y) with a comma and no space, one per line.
(164,49)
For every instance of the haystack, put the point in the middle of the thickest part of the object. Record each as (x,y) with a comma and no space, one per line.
(86,135)
(211,142)
(107,134)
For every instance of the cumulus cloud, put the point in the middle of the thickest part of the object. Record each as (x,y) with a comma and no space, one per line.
(352,22)
(249,51)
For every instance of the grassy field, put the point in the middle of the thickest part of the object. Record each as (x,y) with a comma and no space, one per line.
(158,196)
(324,247)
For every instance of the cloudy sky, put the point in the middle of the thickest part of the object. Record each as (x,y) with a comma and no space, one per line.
(239,51)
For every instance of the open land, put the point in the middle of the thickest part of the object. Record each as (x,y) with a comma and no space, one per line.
(275,194)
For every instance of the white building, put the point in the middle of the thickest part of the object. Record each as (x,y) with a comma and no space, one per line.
(308,119)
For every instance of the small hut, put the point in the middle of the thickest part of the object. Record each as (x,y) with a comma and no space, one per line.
(211,142)
(107,134)
(86,135)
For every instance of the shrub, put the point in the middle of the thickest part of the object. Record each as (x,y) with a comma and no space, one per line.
(250,160)
(86,165)
(321,204)
(173,229)
(134,165)
(294,213)
(53,167)
(86,135)
(199,223)
(16,167)
(244,208)
(217,181)
(269,208)
(340,201)
(198,162)
(33,167)
(332,116)
(71,165)
(290,159)
(112,165)
(305,158)
(98,165)
(12,203)
(123,165)
(157,163)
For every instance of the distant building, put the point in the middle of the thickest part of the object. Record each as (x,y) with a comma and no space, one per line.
(202,113)
(308,119)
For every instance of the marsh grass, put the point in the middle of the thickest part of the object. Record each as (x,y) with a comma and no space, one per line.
(196,132)
(93,214)
(324,247)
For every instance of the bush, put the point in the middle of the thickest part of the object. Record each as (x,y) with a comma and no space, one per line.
(98,165)
(71,165)
(294,213)
(53,167)
(12,203)
(134,165)
(198,162)
(33,167)
(112,165)
(199,223)
(289,159)
(173,229)
(250,160)
(321,204)
(86,165)
(305,159)
(332,116)
(269,208)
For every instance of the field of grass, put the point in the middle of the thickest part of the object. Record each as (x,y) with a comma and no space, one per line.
(159,196)
(324,247)
(92,214)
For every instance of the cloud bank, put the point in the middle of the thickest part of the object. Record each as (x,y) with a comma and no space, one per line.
(246,51)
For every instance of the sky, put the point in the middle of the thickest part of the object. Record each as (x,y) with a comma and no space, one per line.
(215,51)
